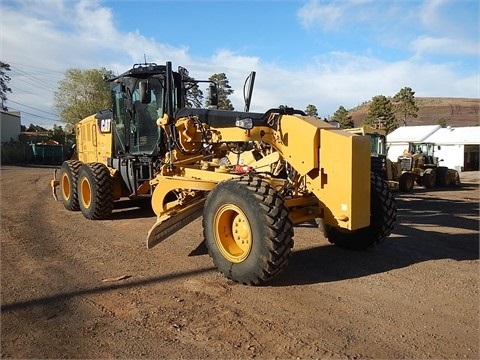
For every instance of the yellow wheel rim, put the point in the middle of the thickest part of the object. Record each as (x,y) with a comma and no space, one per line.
(233,235)
(66,190)
(86,192)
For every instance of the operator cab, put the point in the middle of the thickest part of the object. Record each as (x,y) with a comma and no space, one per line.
(138,101)
(378,144)
(378,154)
(140,97)
(426,151)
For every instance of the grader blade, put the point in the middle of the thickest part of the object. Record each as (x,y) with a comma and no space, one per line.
(174,220)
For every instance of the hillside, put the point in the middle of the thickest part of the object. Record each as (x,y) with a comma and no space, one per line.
(456,112)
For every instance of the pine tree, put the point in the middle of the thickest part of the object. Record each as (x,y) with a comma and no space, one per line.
(343,118)
(404,103)
(4,79)
(380,110)
(193,96)
(223,90)
(311,110)
(442,122)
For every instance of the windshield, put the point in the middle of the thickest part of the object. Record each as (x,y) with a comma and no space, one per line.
(118,118)
(425,149)
(136,122)
(144,129)
(378,144)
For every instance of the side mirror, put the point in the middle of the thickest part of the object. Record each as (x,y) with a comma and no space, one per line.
(145,96)
(213,94)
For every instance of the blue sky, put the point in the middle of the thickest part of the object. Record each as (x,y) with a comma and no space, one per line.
(325,53)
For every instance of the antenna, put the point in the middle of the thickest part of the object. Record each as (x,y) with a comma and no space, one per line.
(145,58)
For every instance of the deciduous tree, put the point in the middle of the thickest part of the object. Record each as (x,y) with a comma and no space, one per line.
(82,93)
(36,128)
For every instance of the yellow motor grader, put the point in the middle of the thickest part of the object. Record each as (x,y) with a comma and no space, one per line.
(303,169)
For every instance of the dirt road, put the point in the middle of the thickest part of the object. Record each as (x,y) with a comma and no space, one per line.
(74,288)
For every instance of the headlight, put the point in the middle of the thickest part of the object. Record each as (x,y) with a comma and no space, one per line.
(246,123)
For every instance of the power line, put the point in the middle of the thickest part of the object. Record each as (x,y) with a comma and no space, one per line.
(40,74)
(37,71)
(18,90)
(35,115)
(40,69)
(37,79)
(46,112)
(33,80)
(32,114)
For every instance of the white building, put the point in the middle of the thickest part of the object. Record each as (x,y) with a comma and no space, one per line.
(397,140)
(456,147)
(9,126)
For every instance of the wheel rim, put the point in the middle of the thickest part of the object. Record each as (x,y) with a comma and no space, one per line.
(66,191)
(233,234)
(86,192)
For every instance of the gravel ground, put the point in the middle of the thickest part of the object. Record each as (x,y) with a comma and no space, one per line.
(74,288)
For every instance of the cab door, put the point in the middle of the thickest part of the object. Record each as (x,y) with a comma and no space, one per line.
(94,139)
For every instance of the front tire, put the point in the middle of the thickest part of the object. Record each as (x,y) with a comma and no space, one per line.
(383,213)
(68,184)
(247,230)
(429,178)
(95,191)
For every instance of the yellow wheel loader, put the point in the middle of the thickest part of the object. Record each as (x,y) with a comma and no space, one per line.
(417,164)
(300,170)
(419,161)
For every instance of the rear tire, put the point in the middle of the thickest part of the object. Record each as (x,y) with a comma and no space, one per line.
(383,213)
(68,184)
(95,191)
(406,182)
(454,178)
(247,230)
(443,178)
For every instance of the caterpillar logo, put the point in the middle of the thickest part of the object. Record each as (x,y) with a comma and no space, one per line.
(105,126)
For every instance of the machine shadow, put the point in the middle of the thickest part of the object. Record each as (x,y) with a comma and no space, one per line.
(132,209)
(458,188)
(414,240)
(130,283)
